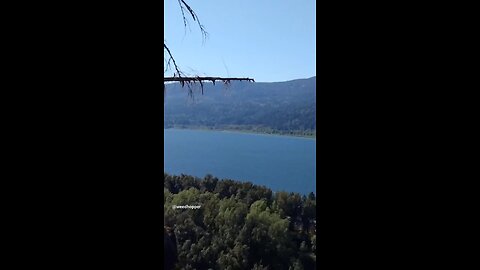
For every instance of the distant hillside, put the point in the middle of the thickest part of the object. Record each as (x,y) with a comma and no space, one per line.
(279,107)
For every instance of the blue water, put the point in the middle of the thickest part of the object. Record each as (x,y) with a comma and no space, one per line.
(278,162)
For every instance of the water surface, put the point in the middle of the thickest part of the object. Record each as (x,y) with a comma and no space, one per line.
(278,162)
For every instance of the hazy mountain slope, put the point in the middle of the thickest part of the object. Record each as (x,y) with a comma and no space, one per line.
(282,107)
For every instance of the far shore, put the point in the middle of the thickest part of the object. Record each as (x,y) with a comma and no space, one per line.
(246,131)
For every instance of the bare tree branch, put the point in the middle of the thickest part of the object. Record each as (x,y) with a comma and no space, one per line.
(190,80)
(178,75)
(183,5)
(171,59)
(199,79)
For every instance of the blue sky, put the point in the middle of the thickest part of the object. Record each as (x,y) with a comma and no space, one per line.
(268,40)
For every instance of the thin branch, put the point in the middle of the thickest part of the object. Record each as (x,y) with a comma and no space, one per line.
(184,5)
(197,79)
(171,59)
(190,80)
(178,76)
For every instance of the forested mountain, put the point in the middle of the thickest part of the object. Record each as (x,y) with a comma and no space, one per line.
(279,107)
(238,225)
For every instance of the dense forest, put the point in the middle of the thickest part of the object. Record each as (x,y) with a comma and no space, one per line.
(278,108)
(239,225)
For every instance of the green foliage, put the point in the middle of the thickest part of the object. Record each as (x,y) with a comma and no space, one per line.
(239,225)
(314,243)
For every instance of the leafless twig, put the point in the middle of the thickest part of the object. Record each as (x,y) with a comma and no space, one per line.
(183,5)
(178,75)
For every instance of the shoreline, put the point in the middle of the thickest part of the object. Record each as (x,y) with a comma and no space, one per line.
(244,132)
(201,178)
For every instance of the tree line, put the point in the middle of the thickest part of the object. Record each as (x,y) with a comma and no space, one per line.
(239,225)
(286,108)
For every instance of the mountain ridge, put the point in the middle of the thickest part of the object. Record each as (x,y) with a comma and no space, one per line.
(287,107)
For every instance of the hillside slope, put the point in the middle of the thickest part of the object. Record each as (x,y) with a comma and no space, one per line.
(279,107)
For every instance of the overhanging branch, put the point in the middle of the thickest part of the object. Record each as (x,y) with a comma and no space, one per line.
(189,80)
(202,79)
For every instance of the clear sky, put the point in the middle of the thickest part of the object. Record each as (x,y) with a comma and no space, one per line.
(268,40)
